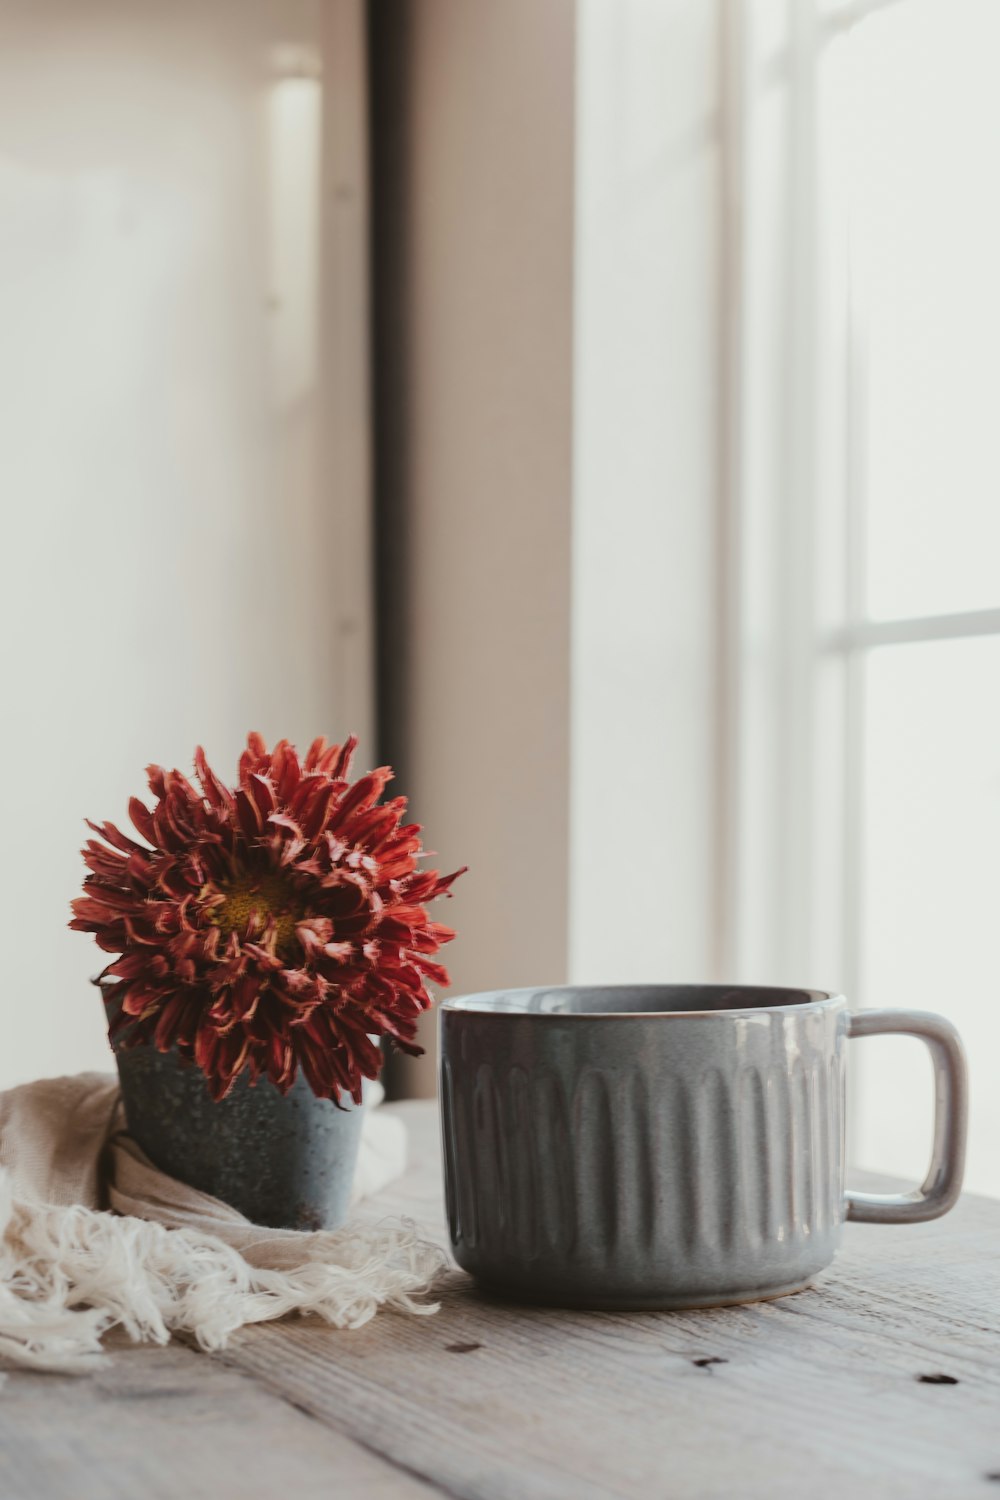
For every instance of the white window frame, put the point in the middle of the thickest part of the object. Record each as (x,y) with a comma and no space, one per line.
(813,938)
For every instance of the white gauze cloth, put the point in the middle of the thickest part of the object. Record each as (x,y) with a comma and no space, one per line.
(92,1235)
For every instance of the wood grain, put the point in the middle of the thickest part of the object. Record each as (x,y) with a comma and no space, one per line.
(160,1424)
(820,1394)
(815,1393)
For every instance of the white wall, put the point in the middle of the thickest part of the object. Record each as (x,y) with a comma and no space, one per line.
(557,462)
(646,486)
(182,540)
(487,350)
(183,467)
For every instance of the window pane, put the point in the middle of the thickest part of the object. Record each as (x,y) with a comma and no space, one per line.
(922,110)
(931,884)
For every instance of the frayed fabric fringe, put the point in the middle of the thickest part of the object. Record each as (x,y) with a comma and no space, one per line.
(69,1272)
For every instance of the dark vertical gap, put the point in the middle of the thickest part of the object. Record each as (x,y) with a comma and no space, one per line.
(388,39)
(388,80)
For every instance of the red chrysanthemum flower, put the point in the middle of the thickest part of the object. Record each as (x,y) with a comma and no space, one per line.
(277,925)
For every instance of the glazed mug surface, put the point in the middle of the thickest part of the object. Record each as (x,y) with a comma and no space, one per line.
(666,1146)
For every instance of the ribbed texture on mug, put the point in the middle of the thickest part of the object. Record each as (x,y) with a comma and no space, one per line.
(693,1177)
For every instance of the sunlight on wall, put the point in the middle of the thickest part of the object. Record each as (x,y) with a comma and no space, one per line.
(168,519)
(294,120)
(645,442)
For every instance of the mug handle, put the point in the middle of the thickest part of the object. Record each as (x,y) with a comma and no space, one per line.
(943,1183)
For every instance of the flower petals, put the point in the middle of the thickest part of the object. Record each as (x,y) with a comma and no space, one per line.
(271,927)
(142,819)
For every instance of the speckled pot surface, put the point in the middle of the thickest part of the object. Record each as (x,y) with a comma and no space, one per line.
(283,1160)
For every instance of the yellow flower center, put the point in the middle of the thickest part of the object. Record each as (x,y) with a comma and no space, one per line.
(270,896)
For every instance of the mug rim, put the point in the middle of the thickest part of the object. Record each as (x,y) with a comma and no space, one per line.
(482,1002)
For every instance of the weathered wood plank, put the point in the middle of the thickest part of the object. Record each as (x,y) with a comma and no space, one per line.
(813,1394)
(160,1424)
(818,1393)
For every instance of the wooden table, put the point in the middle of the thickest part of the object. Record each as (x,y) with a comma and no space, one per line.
(883,1381)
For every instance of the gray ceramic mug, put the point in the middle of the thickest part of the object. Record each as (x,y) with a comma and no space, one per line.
(666,1146)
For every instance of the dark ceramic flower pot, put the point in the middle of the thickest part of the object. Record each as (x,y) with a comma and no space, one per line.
(282,1160)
